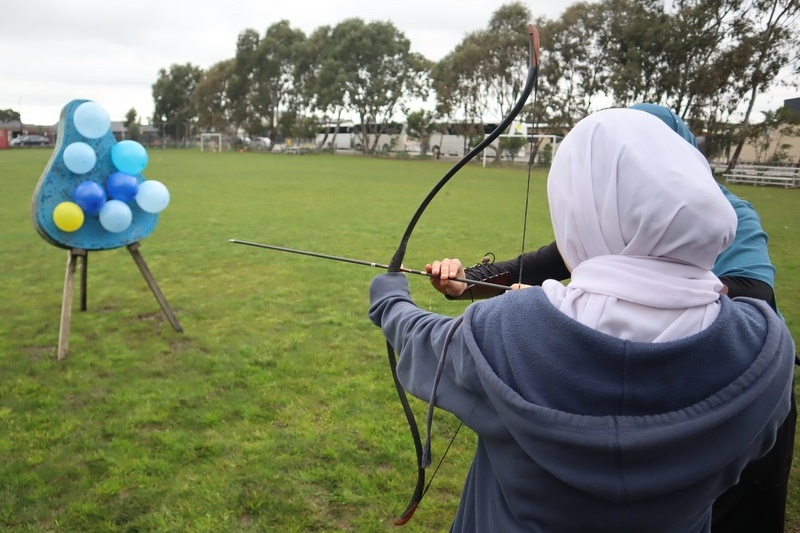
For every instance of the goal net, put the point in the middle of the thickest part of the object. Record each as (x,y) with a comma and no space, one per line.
(210,142)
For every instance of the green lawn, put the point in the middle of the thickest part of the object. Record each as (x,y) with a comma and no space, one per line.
(274,409)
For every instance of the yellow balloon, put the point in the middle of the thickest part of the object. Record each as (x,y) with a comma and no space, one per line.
(68,216)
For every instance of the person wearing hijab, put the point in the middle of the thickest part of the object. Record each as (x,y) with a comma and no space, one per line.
(632,397)
(758,501)
(744,267)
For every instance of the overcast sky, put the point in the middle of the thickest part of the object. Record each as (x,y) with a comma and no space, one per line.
(54,51)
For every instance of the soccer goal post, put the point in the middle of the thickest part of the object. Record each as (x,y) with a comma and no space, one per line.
(211,142)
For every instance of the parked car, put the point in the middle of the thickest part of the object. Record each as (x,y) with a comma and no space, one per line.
(30,140)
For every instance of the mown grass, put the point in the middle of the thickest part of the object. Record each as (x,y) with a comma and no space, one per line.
(274,409)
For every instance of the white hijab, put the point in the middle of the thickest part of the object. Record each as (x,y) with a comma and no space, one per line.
(639,220)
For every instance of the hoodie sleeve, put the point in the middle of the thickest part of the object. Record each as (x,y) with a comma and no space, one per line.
(419,337)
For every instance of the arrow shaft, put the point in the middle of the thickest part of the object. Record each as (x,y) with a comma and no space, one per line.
(363,263)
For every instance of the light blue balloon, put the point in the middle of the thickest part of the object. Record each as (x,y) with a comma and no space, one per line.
(115,216)
(79,157)
(129,157)
(153,196)
(91,120)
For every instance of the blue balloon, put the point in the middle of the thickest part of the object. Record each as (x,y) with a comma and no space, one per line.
(153,196)
(79,157)
(115,216)
(90,196)
(91,120)
(121,186)
(129,157)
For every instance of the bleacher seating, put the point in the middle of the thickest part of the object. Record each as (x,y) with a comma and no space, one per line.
(786,177)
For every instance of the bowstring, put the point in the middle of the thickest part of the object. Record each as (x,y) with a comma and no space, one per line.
(425,455)
(440,367)
(535,127)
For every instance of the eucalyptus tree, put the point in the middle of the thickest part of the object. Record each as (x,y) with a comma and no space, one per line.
(460,95)
(321,81)
(9,115)
(483,76)
(632,34)
(704,59)
(768,41)
(632,51)
(700,66)
(275,79)
(242,78)
(506,56)
(214,111)
(770,137)
(694,67)
(574,66)
(486,71)
(378,73)
(421,125)
(131,125)
(175,108)
(264,78)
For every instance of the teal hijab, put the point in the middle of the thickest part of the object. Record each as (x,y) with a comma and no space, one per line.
(670,119)
(747,256)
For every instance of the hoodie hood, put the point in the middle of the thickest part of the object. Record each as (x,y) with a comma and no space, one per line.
(626,421)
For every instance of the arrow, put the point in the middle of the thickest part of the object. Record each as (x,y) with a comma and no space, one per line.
(365,263)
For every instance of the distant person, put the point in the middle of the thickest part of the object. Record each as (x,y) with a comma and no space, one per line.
(611,403)
(758,501)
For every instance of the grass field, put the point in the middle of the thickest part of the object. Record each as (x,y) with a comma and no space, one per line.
(274,409)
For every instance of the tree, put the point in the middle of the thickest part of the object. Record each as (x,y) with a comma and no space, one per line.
(692,68)
(321,81)
(635,51)
(701,58)
(378,73)
(547,155)
(769,136)
(9,115)
(174,96)
(505,62)
(214,111)
(512,145)
(631,35)
(459,93)
(487,70)
(770,40)
(420,125)
(574,66)
(295,125)
(264,79)
(275,78)
(242,76)
(131,124)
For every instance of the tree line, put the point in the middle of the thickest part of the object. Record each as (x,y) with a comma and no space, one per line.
(704,59)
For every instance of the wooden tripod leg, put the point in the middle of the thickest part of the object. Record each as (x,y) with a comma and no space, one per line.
(66,302)
(84,274)
(133,248)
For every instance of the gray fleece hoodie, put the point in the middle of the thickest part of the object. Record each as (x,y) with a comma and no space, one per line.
(580,431)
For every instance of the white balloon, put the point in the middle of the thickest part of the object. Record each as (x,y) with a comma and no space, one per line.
(79,157)
(152,196)
(91,120)
(115,216)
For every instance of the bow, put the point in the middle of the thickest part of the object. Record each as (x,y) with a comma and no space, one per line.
(397,260)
